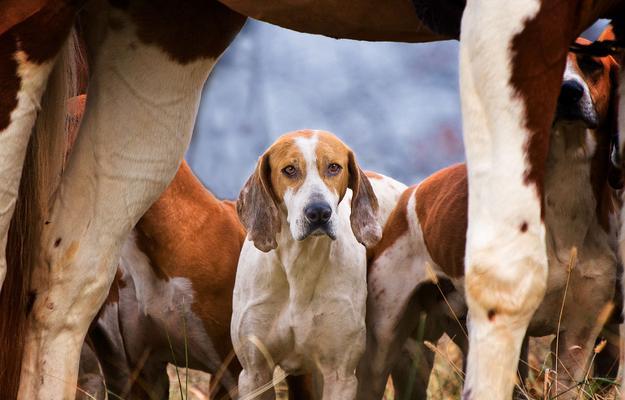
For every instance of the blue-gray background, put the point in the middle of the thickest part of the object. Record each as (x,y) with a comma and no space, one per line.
(397,105)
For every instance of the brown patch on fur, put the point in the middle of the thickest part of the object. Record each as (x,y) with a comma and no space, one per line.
(373,175)
(10,83)
(17,11)
(332,150)
(523,227)
(396,226)
(196,236)
(539,54)
(187,31)
(442,211)
(395,20)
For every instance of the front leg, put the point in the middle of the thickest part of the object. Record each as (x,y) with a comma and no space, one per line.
(143,98)
(511,66)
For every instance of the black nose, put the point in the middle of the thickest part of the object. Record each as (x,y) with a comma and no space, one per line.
(570,92)
(319,213)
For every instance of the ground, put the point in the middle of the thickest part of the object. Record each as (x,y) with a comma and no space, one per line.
(445,380)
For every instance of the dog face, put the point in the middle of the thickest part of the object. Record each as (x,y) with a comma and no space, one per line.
(587,89)
(305,174)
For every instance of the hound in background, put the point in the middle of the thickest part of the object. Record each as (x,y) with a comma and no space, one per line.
(425,236)
(300,291)
(172,294)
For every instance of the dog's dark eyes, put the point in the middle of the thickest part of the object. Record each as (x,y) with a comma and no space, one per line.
(334,169)
(589,64)
(289,171)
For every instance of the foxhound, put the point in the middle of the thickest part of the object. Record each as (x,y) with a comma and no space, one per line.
(148,63)
(300,290)
(424,240)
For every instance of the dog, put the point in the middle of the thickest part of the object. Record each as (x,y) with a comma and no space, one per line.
(423,242)
(300,291)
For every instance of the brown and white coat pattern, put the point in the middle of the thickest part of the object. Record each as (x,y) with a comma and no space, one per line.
(425,237)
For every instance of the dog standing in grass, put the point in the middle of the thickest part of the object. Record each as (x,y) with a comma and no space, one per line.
(426,233)
(300,291)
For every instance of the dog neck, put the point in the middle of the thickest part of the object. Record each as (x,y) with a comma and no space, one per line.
(570,203)
(306,262)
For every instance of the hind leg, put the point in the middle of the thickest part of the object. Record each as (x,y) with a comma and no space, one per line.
(143,98)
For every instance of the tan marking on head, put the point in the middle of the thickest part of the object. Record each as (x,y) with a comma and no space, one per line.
(282,154)
(600,74)
(330,152)
(285,153)
(373,175)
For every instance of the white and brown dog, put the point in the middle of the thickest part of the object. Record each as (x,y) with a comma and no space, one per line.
(300,291)
(426,233)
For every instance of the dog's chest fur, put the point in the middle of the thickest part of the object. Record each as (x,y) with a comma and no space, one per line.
(571,222)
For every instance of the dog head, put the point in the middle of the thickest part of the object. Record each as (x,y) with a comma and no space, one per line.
(588,97)
(587,90)
(305,175)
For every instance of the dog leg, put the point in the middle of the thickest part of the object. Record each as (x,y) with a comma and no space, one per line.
(411,372)
(253,379)
(339,385)
(139,118)
(509,90)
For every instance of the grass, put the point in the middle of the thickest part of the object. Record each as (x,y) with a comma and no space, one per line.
(445,380)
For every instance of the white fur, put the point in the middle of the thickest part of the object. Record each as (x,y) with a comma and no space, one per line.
(387,191)
(313,189)
(14,140)
(585,103)
(303,304)
(137,125)
(506,270)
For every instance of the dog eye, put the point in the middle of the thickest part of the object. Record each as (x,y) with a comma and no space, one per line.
(334,169)
(589,64)
(289,171)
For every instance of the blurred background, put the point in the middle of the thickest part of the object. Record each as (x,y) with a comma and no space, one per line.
(397,105)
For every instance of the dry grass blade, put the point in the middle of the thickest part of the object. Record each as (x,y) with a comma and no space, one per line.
(571,264)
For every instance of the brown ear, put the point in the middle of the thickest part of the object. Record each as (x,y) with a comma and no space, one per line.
(257,208)
(364,206)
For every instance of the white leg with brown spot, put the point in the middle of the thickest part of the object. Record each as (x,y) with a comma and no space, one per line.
(137,125)
(506,269)
(14,140)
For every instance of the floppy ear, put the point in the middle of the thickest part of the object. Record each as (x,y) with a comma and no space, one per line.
(364,206)
(257,207)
